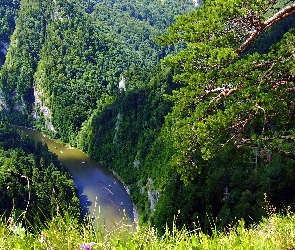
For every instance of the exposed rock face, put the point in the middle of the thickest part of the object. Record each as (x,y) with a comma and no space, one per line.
(136,162)
(3,104)
(122,86)
(153,195)
(119,119)
(18,101)
(198,2)
(40,107)
(20,104)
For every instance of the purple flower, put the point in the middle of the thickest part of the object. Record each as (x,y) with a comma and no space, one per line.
(86,246)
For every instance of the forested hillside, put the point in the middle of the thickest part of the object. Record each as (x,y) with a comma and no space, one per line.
(34,185)
(63,57)
(8,13)
(207,134)
(218,154)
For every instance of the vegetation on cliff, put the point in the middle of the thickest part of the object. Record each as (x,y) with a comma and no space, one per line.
(228,136)
(208,131)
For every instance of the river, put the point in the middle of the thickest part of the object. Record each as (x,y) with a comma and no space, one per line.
(102,196)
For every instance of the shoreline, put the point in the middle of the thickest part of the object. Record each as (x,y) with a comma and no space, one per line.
(68,146)
(135,213)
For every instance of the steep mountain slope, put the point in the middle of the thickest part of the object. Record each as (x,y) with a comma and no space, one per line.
(202,163)
(207,132)
(62,59)
(8,13)
(65,62)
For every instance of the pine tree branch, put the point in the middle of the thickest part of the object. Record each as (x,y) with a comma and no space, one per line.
(283,13)
(286,154)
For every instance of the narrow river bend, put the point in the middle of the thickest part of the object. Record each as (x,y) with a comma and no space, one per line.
(101,194)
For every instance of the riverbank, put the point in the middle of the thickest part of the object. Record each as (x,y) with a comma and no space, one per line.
(135,213)
(101,192)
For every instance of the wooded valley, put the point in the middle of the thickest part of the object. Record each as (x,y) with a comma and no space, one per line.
(192,105)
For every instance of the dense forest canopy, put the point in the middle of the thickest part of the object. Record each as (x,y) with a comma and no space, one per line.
(8,13)
(61,53)
(208,131)
(224,144)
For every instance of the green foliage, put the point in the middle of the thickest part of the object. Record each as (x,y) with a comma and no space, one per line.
(212,140)
(8,13)
(226,98)
(264,42)
(206,127)
(16,76)
(275,232)
(143,108)
(121,135)
(33,183)
(62,59)
(71,74)
(231,123)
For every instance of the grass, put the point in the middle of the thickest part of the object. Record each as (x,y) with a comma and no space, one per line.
(275,232)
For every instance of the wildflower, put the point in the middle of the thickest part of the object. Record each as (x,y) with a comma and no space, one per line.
(86,246)
(10,220)
(45,241)
(43,238)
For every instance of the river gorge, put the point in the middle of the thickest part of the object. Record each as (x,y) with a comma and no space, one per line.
(102,196)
